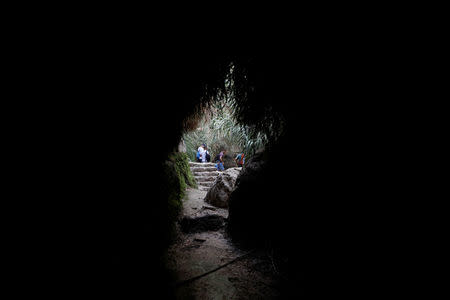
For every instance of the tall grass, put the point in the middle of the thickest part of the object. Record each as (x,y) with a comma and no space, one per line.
(219,130)
(225,121)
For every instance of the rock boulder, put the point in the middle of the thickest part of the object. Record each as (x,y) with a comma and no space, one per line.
(223,185)
(229,162)
(246,211)
(200,224)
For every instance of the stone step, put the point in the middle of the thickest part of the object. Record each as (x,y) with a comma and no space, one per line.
(202,170)
(206,174)
(202,166)
(199,169)
(204,188)
(206,183)
(204,178)
(197,164)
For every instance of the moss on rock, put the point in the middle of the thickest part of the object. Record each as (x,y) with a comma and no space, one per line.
(183,170)
(177,177)
(173,192)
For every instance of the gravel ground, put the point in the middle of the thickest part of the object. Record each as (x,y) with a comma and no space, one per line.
(194,254)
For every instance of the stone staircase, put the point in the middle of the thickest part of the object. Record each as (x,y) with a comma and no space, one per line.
(204,173)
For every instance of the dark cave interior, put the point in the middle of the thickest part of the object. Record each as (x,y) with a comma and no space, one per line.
(114,123)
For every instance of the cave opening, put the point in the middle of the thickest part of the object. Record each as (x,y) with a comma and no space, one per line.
(126,178)
(104,179)
(210,248)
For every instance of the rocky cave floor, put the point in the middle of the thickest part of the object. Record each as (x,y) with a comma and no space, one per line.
(202,246)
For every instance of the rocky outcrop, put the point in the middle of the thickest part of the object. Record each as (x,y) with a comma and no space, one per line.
(200,224)
(229,162)
(252,168)
(222,187)
(246,198)
(182,146)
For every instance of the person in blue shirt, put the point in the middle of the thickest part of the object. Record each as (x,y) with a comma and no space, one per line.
(200,152)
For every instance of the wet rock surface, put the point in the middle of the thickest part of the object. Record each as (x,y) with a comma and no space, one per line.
(222,187)
(200,224)
(229,162)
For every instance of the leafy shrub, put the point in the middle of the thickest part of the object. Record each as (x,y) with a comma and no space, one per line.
(219,129)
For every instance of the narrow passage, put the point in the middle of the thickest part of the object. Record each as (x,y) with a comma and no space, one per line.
(202,246)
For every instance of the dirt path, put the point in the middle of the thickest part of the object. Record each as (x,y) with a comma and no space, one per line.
(196,253)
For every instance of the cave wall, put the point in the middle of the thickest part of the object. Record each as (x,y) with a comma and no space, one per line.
(116,118)
(120,118)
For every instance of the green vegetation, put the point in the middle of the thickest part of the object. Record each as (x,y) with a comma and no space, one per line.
(218,129)
(178,177)
(181,164)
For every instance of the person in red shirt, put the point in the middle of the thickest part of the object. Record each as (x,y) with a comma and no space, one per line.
(240,159)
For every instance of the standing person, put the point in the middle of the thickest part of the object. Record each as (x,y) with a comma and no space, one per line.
(200,152)
(240,159)
(219,160)
(206,157)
